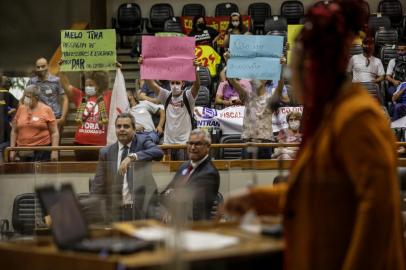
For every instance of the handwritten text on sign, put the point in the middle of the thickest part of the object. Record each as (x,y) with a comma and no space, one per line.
(255,57)
(84,50)
(168,58)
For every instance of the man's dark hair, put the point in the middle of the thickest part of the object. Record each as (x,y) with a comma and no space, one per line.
(126,115)
(401,42)
(5,82)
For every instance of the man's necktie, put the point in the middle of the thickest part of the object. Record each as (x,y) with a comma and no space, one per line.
(185,175)
(124,153)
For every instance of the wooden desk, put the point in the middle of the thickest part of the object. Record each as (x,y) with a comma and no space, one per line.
(253,252)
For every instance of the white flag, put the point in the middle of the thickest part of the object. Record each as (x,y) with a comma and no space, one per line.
(118,104)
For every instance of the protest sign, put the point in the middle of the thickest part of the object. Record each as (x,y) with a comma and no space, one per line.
(206,56)
(293,31)
(168,58)
(86,50)
(255,57)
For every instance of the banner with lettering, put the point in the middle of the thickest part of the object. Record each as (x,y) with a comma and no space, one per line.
(255,57)
(219,23)
(230,119)
(206,56)
(86,50)
(168,58)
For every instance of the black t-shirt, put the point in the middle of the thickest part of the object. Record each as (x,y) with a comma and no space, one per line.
(205,36)
(7,102)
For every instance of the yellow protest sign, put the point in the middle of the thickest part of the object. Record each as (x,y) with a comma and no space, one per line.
(85,50)
(206,56)
(293,31)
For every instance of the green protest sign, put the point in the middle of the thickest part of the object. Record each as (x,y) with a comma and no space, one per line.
(85,50)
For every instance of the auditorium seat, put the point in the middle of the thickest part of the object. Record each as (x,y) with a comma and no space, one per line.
(385,37)
(356,49)
(193,10)
(259,12)
(377,21)
(293,11)
(158,14)
(366,7)
(231,153)
(203,97)
(393,10)
(25,209)
(129,21)
(225,9)
(277,23)
(205,78)
(173,25)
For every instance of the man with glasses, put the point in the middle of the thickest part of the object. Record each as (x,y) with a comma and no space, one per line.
(179,104)
(197,177)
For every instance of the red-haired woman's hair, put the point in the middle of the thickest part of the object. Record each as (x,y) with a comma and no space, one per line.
(324,54)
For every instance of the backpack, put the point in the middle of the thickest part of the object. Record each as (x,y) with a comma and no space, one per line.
(186,102)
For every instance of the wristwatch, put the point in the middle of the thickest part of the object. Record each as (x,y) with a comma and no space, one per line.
(132,156)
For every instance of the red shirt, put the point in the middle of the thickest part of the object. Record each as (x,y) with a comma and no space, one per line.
(91,132)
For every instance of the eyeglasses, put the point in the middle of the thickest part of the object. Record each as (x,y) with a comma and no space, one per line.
(197,144)
(177,83)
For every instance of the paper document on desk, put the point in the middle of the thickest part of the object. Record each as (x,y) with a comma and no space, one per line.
(191,240)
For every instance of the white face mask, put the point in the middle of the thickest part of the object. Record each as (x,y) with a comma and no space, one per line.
(27,101)
(90,90)
(294,125)
(176,90)
(235,24)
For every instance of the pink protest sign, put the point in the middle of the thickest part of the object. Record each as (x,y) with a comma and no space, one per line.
(168,58)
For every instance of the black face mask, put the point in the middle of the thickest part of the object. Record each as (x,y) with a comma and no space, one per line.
(201,25)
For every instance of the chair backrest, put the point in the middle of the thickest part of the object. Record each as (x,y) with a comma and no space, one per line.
(173,25)
(259,12)
(159,13)
(129,15)
(204,76)
(387,53)
(373,89)
(25,209)
(377,21)
(356,49)
(292,10)
(231,153)
(393,9)
(225,9)
(386,37)
(203,97)
(193,10)
(277,23)
(366,7)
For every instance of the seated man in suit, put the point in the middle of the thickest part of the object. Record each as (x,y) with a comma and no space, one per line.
(195,184)
(128,190)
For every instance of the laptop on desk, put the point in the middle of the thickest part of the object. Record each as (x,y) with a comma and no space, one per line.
(69,227)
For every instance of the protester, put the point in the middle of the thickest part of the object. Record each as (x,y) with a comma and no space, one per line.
(204,35)
(235,27)
(34,125)
(289,135)
(365,67)
(8,108)
(143,111)
(93,106)
(341,203)
(226,94)
(51,92)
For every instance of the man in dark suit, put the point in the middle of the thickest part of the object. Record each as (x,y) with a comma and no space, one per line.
(127,187)
(196,183)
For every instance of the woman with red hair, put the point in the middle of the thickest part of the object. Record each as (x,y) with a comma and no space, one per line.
(341,203)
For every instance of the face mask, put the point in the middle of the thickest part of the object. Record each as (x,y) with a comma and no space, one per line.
(90,90)
(294,125)
(201,25)
(27,101)
(176,90)
(235,24)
